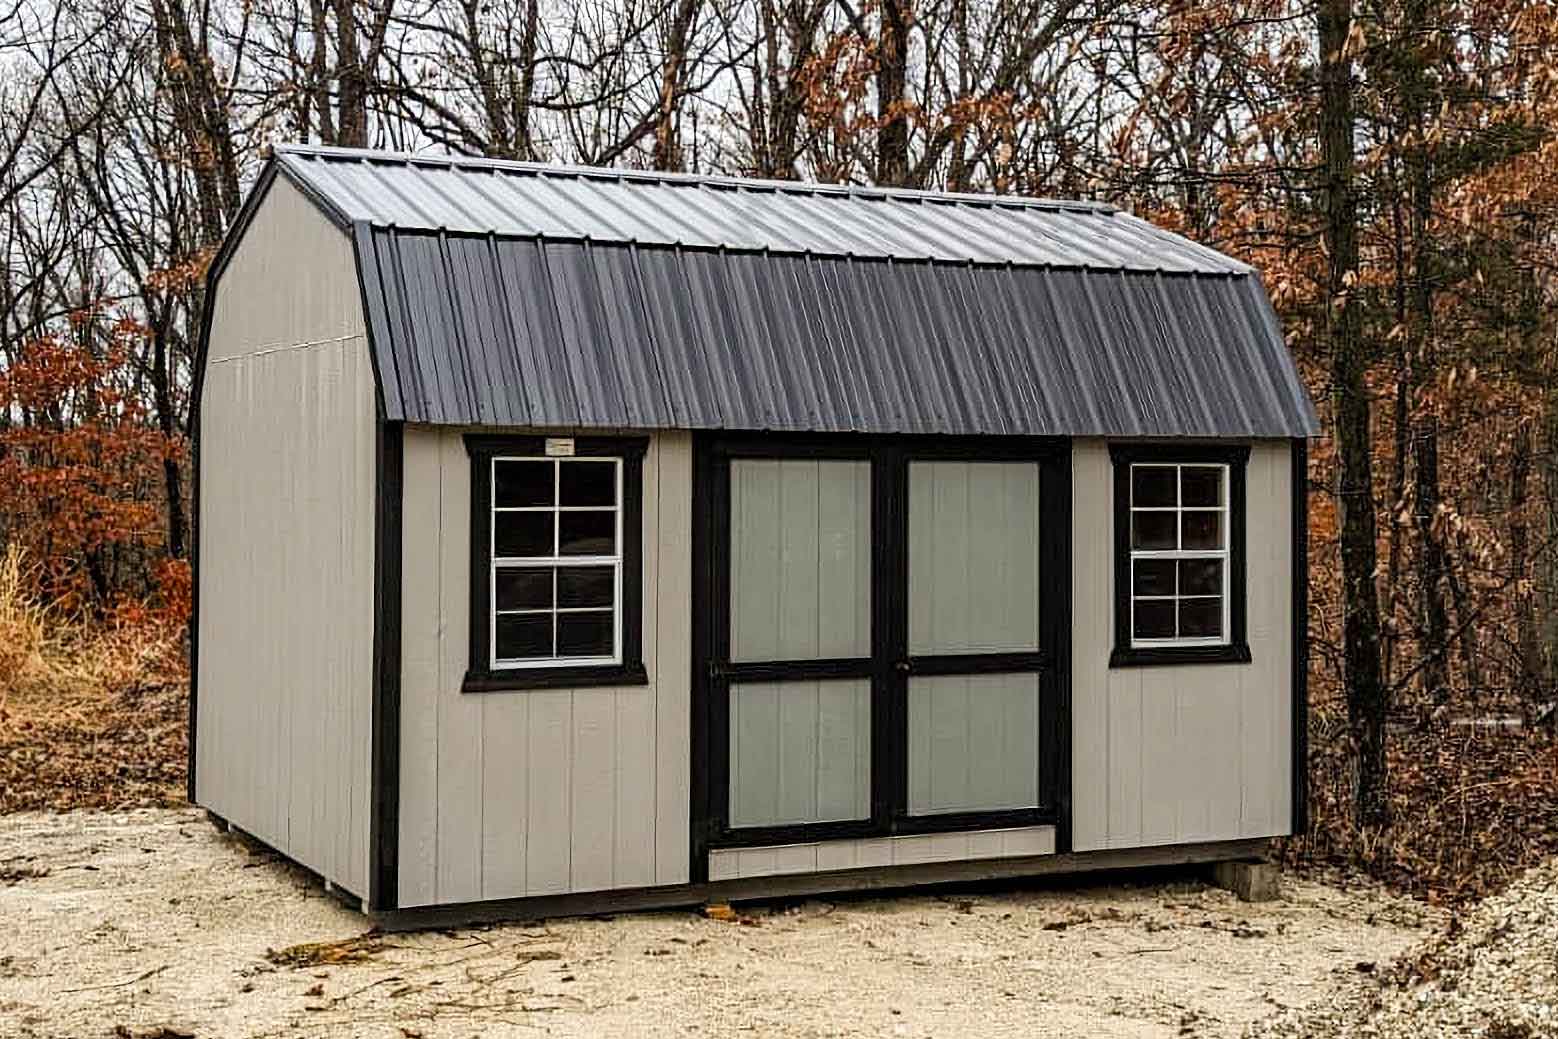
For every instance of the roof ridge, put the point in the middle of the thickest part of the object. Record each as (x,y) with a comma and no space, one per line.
(721,182)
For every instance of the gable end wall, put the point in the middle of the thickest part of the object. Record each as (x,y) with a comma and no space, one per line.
(287,490)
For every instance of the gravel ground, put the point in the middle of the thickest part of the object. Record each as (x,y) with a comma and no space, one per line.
(1492,972)
(150,924)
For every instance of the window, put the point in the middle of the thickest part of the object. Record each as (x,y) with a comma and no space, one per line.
(1179,555)
(554,562)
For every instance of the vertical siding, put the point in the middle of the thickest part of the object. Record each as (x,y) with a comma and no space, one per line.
(876,852)
(511,794)
(1180,754)
(286,544)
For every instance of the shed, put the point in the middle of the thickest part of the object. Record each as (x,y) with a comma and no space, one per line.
(572,539)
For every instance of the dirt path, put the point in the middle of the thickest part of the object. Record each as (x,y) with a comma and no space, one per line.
(149,923)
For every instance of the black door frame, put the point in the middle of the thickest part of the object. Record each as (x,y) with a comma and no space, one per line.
(889,665)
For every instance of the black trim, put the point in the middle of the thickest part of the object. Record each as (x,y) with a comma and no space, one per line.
(388,560)
(384,837)
(793,670)
(481,679)
(193,706)
(1055,514)
(1237,650)
(889,665)
(1299,491)
(976,663)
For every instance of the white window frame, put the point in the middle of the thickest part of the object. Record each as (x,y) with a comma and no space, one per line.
(1224,554)
(553,562)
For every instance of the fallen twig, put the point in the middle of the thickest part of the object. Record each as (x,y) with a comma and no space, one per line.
(120,984)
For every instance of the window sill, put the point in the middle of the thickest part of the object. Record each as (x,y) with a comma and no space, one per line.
(1156,656)
(578,676)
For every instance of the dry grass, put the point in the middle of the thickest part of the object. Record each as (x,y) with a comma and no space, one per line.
(91,714)
(1472,809)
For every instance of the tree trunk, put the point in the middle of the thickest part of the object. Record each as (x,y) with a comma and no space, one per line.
(352,101)
(1432,568)
(1526,644)
(668,143)
(1401,440)
(167,422)
(200,108)
(1366,694)
(1546,569)
(892,77)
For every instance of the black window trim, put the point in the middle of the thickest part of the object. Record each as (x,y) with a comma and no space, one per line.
(480,677)
(1237,650)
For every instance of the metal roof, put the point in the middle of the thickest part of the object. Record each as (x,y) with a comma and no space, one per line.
(526,200)
(516,295)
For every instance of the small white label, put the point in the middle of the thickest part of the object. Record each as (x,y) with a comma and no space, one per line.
(559,447)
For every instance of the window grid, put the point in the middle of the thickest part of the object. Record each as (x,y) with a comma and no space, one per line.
(555,563)
(1179,553)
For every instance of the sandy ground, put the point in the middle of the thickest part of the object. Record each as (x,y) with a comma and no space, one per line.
(151,924)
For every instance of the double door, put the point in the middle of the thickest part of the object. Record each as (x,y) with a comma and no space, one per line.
(881,636)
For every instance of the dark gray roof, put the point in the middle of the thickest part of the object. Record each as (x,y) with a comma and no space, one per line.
(515,294)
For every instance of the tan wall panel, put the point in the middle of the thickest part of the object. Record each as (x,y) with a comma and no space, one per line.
(519,793)
(1166,755)
(287,484)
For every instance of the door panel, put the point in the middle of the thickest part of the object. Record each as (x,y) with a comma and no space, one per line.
(973,557)
(800,559)
(973,726)
(800,752)
(973,743)
(877,652)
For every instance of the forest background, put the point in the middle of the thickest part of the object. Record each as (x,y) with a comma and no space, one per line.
(1391,167)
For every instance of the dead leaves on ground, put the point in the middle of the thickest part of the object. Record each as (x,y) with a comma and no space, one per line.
(357,949)
(723,912)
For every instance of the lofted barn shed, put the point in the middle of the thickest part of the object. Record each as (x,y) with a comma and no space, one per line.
(572,540)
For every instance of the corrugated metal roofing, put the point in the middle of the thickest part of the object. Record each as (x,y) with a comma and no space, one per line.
(795,313)
(526,200)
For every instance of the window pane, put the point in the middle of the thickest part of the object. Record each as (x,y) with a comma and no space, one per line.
(527,588)
(1153,577)
(1153,485)
(1152,530)
(521,483)
(588,533)
(1201,485)
(1201,618)
(588,483)
(584,634)
(1154,619)
(586,586)
(524,636)
(1201,577)
(1202,530)
(522,533)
